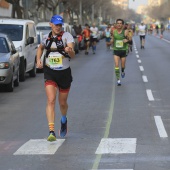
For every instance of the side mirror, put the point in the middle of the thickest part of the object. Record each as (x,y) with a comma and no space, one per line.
(13,51)
(30,40)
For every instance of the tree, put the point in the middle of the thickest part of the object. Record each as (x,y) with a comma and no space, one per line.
(16,8)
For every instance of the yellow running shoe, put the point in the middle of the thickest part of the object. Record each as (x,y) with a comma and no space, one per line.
(52,136)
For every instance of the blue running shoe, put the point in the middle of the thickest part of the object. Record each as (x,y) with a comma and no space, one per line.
(63,130)
(122,74)
(118,83)
(52,136)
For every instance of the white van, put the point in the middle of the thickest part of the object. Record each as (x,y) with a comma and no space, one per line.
(23,34)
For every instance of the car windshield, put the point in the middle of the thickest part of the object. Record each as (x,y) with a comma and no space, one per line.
(3,46)
(14,32)
(102,28)
(44,29)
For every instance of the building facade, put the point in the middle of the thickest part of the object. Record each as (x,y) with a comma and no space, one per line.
(5,9)
(156,2)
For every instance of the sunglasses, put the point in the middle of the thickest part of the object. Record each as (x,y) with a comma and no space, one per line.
(58,25)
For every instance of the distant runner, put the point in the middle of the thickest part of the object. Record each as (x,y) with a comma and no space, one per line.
(94,33)
(142,33)
(119,40)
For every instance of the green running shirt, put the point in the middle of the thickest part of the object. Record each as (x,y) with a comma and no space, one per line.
(118,40)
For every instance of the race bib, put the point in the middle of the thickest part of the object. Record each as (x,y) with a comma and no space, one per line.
(55,60)
(107,34)
(94,33)
(119,43)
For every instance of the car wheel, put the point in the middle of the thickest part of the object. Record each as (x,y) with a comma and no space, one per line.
(22,71)
(33,71)
(16,82)
(10,87)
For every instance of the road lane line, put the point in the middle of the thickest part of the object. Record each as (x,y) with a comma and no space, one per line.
(145,79)
(109,120)
(160,127)
(139,61)
(39,147)
(166,40)
(112,169)
(141,68)
(137,56)
(149,94)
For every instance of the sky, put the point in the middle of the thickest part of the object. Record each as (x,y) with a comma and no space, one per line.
(134,4)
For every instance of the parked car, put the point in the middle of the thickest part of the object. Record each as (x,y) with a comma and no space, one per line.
(23,34)
(102,29)
(9,63)
(42,29)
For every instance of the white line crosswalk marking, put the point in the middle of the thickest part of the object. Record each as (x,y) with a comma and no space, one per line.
(113,169)
(117,146)
(39,147)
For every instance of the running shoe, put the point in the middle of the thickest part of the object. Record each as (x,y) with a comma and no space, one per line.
(118,83)
(63,130)
(123,74)
(52,136)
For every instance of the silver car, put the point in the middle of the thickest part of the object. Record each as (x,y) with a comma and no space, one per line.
(9,63)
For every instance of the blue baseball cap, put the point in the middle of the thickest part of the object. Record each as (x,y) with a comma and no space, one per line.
(57,19)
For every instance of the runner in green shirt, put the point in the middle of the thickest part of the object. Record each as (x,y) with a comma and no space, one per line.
(119,40)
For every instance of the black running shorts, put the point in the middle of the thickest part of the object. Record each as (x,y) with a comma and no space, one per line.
(120,53)
(142,37)
(93,39)
(59,78)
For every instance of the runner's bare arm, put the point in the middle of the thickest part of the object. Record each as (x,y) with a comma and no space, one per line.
(70,50)
(125,40)
(112,40)
(39,54)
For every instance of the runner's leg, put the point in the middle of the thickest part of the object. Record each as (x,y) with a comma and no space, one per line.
(63,108)
(50,110)
(117,70)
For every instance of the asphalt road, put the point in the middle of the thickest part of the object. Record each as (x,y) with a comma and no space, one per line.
(110,127)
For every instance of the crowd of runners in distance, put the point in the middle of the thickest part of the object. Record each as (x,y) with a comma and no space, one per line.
(89,33)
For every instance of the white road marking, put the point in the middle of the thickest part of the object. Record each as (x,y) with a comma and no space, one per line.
(166,40)
(145,79)
(160,127)
(137,56)
(141,68)
(116,146)
(139,61)
(149,94)
(39,147)
(112,169)
(136,52)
